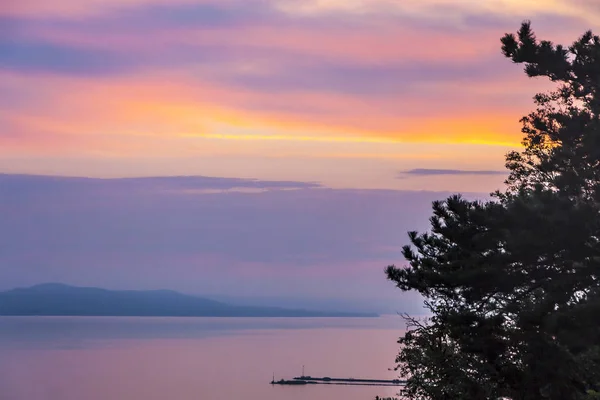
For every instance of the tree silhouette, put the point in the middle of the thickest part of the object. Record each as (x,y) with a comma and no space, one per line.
(513,283)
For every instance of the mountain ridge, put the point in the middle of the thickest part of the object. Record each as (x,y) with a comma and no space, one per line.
(58,299)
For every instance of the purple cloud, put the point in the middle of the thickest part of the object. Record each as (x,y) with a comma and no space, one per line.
(35,56)
(27,184)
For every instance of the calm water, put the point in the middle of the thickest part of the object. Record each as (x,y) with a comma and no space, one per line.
(77,358)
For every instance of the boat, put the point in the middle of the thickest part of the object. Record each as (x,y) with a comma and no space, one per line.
(288,382)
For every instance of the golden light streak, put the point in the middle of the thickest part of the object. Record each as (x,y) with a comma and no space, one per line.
(339,139)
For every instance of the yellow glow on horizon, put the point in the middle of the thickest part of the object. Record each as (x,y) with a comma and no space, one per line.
(122,110)
(343,139)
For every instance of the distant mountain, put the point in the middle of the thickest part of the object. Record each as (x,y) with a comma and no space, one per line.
(58,299)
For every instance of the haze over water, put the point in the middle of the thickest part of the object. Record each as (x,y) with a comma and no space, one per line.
(74,358)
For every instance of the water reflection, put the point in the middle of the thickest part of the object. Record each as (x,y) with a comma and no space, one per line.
(74,358)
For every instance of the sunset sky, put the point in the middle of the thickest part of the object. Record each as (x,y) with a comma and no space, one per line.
(362,110)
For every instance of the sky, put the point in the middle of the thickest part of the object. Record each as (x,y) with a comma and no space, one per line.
(251,147)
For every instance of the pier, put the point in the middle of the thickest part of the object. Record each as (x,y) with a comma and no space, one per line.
(305,380)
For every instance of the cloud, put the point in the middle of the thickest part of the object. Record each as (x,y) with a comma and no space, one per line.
(74,9)
(394,80)
(154,34)
(448,11)
(255,48)
(155,78)
(441,11)
(271,69)
(38,56)
(436,172)
(30,184)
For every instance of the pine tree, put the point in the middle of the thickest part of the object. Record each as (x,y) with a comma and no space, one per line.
(513,283)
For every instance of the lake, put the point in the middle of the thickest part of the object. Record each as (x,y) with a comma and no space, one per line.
(124,358)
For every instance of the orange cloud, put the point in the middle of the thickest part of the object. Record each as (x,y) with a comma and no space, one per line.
(152,115)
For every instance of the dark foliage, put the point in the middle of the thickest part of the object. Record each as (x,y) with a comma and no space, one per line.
(512,284)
